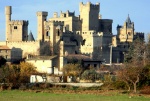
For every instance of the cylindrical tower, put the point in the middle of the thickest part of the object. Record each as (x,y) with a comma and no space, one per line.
(8,12)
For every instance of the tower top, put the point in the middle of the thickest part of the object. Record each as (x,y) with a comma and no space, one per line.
(8,10)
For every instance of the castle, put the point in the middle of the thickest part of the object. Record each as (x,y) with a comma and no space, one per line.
(87,34)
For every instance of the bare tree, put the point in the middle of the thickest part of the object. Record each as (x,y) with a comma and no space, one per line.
(135,62)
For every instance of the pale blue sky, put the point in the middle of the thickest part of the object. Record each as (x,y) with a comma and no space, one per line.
(117,10)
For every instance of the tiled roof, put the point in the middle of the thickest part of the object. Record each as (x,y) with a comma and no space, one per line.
(4,47)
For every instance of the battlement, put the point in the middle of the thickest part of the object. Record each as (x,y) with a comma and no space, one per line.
(69,43)
(68,13)
(56,23)
(21,42)
(42,13)
(90,5)
(19,22)
(92,33)
(139,33)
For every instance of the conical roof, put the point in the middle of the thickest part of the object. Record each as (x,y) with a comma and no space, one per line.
(128,20)
(30,37)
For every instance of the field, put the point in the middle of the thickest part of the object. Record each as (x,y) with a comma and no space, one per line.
(18,95)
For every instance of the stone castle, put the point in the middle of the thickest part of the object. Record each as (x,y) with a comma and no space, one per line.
(87,34)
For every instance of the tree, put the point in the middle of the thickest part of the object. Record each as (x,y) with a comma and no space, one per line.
(72,70)
(130,74)
(26,70)
(20,73)
(147,51)
(136,53)
(133,66)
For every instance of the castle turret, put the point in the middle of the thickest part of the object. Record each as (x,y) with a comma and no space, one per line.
(41,17)
(8,12)
(89,14)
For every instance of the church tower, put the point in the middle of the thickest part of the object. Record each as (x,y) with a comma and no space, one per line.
(41,17)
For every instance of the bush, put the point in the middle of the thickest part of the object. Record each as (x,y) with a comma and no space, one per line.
(119,85)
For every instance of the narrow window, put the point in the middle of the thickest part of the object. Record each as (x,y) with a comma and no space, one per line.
(58,32)
(15,27)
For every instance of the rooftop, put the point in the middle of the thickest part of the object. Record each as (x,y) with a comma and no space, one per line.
(4,47)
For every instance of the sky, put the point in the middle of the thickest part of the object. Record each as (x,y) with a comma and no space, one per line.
(117,10)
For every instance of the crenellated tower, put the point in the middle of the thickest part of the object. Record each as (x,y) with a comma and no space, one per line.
(89,14)
(16,30)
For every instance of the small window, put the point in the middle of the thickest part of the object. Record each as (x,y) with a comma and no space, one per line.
(47,33)
(15,27)
(58,33)
(6,56)
(129,33)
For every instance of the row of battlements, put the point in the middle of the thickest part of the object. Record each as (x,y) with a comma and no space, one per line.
(22,42)
(19,22)
(41,13)
(64,14)
(92,32)
(139,33)
(89,4)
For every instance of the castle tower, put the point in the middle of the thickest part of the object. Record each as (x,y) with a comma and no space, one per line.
(41,17)
(126,32)
(89,14)
(16,30)
(8,12)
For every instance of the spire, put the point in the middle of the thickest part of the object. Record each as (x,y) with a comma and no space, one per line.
(30,37)
(128,20)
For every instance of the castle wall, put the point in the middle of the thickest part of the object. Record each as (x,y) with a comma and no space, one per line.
(22,48)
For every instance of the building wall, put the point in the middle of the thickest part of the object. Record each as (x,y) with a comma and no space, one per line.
(42,66)
(21,49)
(6,53)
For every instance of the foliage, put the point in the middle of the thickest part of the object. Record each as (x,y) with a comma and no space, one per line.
(17,73)
(89,74)
(26,69)
(72,69)
(145,80)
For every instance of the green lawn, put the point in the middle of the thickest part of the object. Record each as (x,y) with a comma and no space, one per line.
(17,95)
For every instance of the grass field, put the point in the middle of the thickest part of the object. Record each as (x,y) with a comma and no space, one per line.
(16,95)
